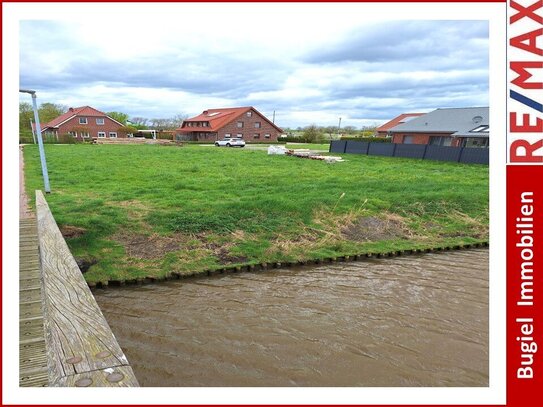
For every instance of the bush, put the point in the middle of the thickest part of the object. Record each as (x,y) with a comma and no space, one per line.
(312,134)
(67,139)
(290,139)
(25,137)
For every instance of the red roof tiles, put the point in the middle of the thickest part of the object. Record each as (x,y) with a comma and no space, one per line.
(397,120)
(218,118)
(72,112)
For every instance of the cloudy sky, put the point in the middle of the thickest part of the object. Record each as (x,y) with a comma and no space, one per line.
(364,72)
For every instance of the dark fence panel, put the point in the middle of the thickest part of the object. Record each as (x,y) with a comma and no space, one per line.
(425,152)
(357,147)
(410,150)
(337,146)
(443,153)
(386,150)
(474,156)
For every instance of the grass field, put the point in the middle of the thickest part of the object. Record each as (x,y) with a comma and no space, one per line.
(310,146)
(135,211)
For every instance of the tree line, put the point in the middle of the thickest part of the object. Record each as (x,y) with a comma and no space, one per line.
(314,133)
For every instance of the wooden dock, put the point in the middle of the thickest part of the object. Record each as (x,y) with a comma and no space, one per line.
(32,354)
(65,340)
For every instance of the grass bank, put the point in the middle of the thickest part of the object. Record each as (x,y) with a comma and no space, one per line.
(135,211)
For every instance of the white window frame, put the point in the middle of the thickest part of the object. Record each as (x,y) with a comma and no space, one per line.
(227,135)
(112,134)
(83,120)
(100,121)
(258,125)
(256,135)
(239,135)
(267,135)
(249,113)
(84,134)
(101,134)
(240,125)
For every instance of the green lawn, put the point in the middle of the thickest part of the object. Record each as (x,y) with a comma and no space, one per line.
(135,211)
(310,146)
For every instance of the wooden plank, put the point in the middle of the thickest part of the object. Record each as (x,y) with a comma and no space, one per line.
(30,295)
(120,376)
(32,355)
(33,360)
(34,379)
(29,284)
(78,337)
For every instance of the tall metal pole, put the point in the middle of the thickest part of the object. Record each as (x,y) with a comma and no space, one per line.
(32,130)
(339,126)
(40,140)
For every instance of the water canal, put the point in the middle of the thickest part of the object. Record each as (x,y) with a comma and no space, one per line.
(407,321)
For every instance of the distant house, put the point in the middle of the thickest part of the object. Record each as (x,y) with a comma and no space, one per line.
(215,124)
(456,127)
(383,130)
(83,123)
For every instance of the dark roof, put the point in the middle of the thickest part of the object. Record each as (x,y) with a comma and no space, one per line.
(463,122)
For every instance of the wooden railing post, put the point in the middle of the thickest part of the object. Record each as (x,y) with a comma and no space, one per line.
(81,349)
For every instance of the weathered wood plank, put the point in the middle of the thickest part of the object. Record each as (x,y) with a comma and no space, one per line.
(79,339)
(32,356)
(34,379)
(30,310)
(121,376)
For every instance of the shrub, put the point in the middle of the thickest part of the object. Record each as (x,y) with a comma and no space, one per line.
(369,139)
(25,137)
(312,134)
(67,139)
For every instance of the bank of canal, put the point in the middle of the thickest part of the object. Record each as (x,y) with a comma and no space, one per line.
(418,320)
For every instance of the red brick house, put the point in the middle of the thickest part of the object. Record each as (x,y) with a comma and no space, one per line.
(83,123)
(242,122)
(455,127)
(383,130)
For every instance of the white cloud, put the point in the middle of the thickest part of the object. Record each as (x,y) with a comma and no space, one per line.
(157,68)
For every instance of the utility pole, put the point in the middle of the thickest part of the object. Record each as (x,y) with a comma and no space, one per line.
(40,140)
(339,126)
(273,120)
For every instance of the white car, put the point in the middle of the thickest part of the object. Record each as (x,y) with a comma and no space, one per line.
(230,142)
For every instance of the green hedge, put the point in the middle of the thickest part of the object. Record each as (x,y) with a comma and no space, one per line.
(368,139)
(247,142)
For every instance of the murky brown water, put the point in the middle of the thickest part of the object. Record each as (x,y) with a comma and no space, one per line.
(407,321)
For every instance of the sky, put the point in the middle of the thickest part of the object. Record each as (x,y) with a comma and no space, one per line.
(365,73)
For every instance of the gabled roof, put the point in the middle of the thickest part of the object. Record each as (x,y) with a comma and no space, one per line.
(218,118)
(85,111)
(403,118)
(463,122)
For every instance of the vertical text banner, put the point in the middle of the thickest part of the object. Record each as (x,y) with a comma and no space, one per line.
(524,202)
(524,283)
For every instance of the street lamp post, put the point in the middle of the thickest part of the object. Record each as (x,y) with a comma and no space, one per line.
(32,129)
(40,140)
